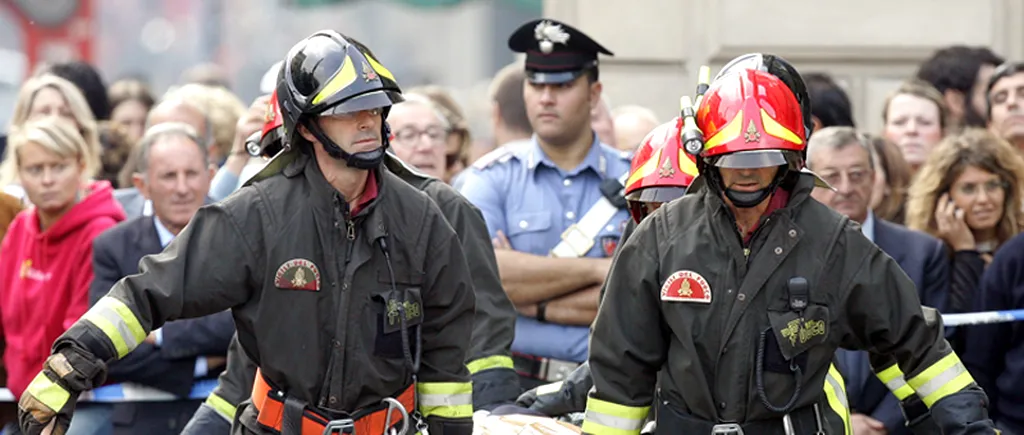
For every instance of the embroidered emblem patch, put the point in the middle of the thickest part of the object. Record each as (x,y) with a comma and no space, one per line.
(298,274)
(686,286)
(608,244)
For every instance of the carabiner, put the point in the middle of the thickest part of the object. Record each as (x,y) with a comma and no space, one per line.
(392,406)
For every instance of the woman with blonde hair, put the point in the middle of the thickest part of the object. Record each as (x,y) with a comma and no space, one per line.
(47,96)
(46,256)
(916,119)
(968,194)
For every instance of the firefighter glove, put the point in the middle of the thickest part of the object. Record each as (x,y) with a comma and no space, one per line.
(560,398)
(50,398)
(963,413)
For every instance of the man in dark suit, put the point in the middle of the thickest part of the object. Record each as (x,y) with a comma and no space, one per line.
(844,159)
(174,174)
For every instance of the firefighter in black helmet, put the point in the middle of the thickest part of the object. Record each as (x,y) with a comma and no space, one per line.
(349,290)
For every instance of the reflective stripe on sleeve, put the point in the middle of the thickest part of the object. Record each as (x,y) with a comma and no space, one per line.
(835,393)
(607,418)
(48,393)
(947,376)
(491,362)
(445,399)
(222,407)
(893,378)
(118,323)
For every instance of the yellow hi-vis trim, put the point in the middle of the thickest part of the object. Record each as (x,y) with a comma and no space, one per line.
(607,418)
(893,378)
(772,127)
(340,81)
(731,131)
(445,399)
(835,393)
(490,362)
(947,376)
(118,323)
(47,392)
(379,68)
(686,165)
(648,168)
(222,407)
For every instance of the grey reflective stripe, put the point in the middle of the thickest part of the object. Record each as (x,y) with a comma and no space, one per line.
(840,393)
(107,312)
(896,383)
(435,400)
(935,384)
(620,423)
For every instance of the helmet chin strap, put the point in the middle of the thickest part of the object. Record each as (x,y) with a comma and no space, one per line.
(361,160)
(749,199)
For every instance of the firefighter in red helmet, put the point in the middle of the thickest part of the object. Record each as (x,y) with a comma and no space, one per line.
(734,298)
(660,172)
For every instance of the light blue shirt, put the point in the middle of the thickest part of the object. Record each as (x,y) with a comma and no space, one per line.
(166,236)
(868,227)
(522,193)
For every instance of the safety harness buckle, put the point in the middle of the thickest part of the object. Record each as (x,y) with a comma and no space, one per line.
(727,429)
(341,426)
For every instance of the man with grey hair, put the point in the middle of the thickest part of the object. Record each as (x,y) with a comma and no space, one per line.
(632,124)
(844,158)
(601,122)
(160,390)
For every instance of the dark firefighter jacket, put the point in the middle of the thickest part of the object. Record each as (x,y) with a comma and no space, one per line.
(330,337)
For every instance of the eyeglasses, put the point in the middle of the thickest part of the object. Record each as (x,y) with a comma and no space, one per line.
(410,135)
(856,177)
(990,187)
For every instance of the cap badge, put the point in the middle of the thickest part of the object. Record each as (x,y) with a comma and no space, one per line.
(751,135)
(549,34)
(666,169)
(368,73)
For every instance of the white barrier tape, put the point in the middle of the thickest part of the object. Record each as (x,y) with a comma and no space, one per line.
(982,317)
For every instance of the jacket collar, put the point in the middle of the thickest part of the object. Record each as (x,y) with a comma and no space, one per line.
(325,197)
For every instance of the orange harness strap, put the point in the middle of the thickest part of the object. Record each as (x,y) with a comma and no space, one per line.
(269,403)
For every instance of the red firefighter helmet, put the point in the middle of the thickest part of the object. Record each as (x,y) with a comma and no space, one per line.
(269,140)
(751,119)
(661,169)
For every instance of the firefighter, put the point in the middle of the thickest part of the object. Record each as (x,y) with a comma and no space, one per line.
(494,381)
(734,298)
(349,290)
(660,172)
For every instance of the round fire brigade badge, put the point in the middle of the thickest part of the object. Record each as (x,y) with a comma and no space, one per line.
(298,274)
(686,286)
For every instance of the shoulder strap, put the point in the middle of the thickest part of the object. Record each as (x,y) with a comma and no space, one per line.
(579,237)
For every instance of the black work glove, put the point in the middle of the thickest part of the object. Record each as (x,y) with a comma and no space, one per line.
(560,398)
(50,398)
(963,413)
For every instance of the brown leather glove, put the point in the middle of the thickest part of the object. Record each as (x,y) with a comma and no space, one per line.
(50,398)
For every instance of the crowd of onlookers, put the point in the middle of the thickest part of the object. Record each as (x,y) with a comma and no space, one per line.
(95,176)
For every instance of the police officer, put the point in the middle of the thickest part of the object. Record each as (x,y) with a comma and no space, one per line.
(494,381)
(660,172)
(349,290)
(555,201)
(734,299)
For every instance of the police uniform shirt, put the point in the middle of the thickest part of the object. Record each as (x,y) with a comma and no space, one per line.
(522,193)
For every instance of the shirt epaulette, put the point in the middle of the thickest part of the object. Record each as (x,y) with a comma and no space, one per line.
(499,155)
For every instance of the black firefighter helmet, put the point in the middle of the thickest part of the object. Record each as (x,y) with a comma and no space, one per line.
(330,74)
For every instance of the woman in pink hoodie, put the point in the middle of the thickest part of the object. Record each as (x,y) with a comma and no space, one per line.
(46,256)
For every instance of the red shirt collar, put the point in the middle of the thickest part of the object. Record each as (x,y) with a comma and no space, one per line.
(369,193)
(779,200)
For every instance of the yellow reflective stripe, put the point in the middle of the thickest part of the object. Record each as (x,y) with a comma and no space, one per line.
(47,392)
(685,164)
(491,362)
(772,127)
(835,393)
(607,418)
(379,68)
(646,169)
(445,399)
(222,407)
(731,131)
(893,378)
(340,81)
(947,376)
(118,322)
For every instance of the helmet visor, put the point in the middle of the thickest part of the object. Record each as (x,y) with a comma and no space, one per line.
(751,159)
(367,101)
(656,194)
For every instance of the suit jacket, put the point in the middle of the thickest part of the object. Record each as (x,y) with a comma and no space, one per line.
(923,258)
(170,367)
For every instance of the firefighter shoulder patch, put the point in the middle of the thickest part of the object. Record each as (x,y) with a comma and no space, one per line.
(298,274)
(686,286)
